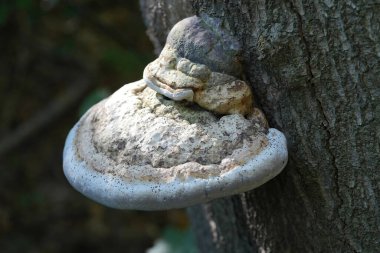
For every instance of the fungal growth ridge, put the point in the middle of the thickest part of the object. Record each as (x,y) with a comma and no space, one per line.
(200,63)
(185,134)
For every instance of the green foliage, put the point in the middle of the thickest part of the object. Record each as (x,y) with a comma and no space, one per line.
(7,7)
(94,97)
(24,4)
(175,240)
(4,12)
(124,62)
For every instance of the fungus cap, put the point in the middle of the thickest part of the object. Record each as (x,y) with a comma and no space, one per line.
(138,150)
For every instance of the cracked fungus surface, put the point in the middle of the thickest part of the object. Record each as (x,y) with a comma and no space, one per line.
(138,134)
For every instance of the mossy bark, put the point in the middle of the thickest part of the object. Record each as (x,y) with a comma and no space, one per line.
(314,67)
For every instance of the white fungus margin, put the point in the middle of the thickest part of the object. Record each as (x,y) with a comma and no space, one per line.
(114,191)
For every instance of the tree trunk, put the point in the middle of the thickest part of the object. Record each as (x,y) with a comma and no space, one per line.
(314,67)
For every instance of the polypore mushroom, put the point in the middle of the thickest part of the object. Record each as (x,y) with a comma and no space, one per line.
(140,150)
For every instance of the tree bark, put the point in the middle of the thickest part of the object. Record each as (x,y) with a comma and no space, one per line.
(314,67)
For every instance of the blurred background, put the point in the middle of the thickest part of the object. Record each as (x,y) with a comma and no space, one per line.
(57,59)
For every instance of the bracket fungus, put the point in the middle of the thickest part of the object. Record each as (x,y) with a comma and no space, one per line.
(185,134)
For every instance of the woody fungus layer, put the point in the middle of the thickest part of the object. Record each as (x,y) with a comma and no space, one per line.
(185,134)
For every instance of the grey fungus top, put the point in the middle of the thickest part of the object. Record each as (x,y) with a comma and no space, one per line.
(140,150)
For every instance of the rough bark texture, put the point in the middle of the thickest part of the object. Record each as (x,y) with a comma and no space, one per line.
(161,15)
(314,67)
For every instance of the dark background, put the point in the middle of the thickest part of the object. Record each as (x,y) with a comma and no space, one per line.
(57,59)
